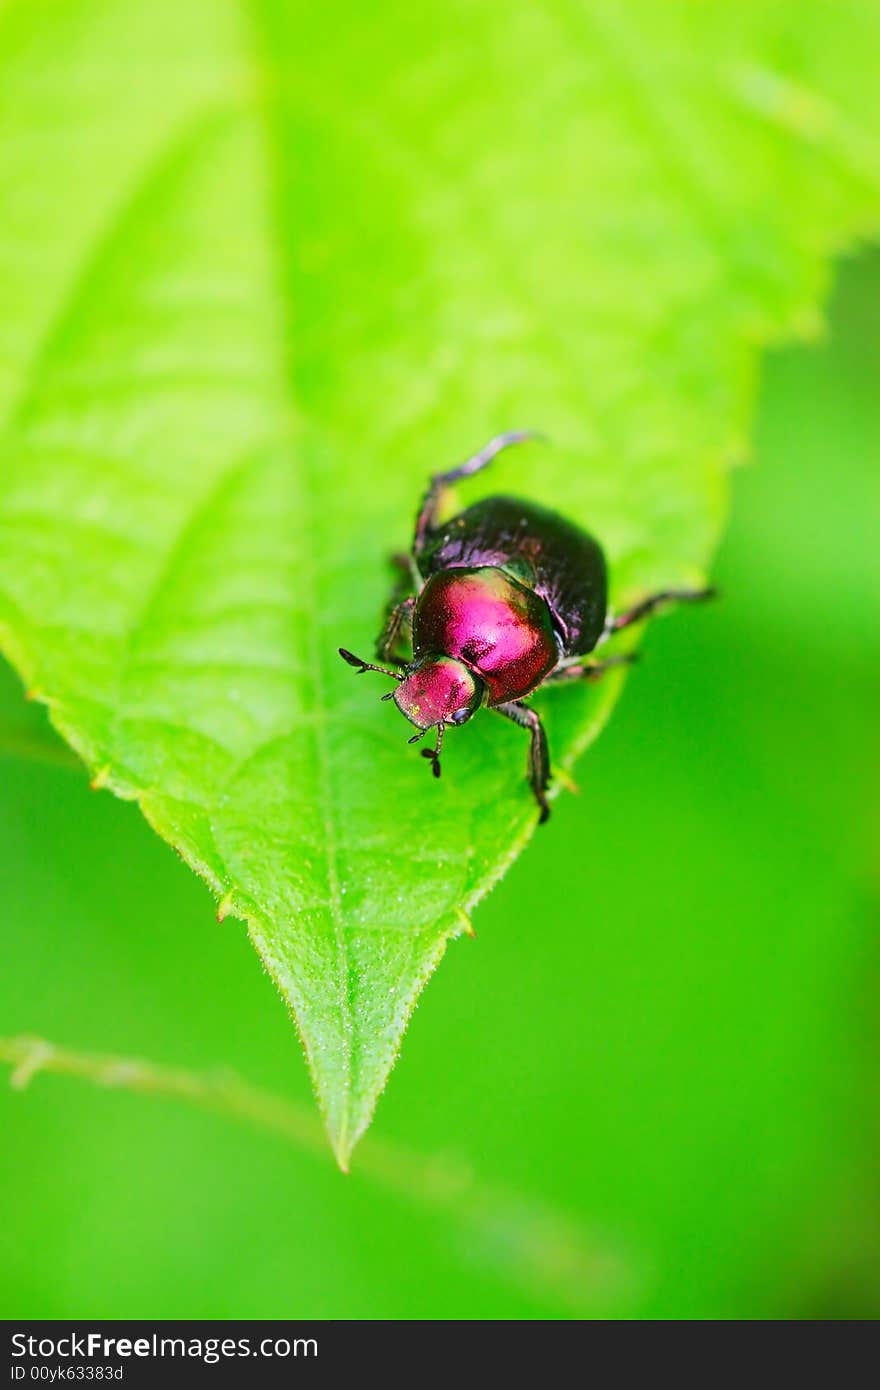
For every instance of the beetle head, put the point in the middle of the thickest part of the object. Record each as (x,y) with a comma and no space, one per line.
(437,690)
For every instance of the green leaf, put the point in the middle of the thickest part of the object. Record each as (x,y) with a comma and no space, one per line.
(263,270)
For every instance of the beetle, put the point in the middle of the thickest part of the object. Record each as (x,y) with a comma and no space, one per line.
(499,600)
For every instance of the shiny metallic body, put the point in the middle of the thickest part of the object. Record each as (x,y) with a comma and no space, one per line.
(509,597)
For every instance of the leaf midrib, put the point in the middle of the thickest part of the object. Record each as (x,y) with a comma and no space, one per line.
(167,156)
(271,113)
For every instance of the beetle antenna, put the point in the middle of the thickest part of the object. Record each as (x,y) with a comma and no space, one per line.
(362,666)
(434,753)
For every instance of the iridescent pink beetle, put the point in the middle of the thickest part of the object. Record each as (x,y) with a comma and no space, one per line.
(500,599)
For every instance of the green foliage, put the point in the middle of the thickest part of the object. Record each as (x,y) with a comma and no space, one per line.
(261,278)
(685,1066)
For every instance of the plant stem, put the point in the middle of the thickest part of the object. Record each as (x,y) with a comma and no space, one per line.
(548,1254)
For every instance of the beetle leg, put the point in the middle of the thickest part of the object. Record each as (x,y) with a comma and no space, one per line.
(648,605)
(429,512)
(539,753)
(589,670)
(398,610)
(408,577)
(399,616)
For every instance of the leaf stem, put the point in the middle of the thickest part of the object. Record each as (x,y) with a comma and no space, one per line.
(545,1252)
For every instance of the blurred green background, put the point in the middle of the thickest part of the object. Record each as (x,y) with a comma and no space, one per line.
(690,1074)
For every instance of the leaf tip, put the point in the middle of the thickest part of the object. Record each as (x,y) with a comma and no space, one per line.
(467,926)
(224,906)
(565,779)
(342,1142)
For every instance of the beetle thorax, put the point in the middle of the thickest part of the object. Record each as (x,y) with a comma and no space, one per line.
(498,627)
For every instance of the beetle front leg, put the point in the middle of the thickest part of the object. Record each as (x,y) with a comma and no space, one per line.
(648,605)
(539,753)
(432,502)
(398,611)
(399,616)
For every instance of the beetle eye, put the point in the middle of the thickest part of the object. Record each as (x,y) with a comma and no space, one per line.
(461,715)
